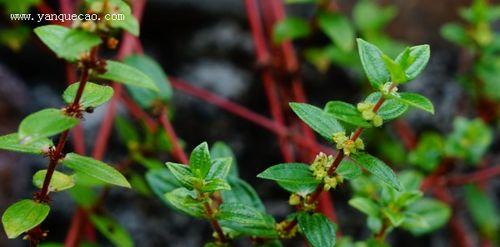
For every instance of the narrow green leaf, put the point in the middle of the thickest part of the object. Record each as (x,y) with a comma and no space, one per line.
(348,169)
(96,169)
(23,216)
(93,94)
(416,100)
(416,61)
(390,109)
(128,75)
(222,150)
(290,28)
(378,168)
(12,142)
(294,177)
(45,123)
(398,75)
(182,174)
(215,184)
(246,220)
(220,168)
(347,113)
(317,229)
(323,123)
(199,161)
(365,205)
(338,28)
(115,233)
(59,181)
(242,192)
(373,64)
(183,200)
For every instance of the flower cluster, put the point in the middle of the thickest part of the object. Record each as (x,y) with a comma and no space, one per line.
(346,144)
(332,182)
(368,114)
(320,165)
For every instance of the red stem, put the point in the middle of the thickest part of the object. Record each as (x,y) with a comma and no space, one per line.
(474,177)
(102,140)
(169,130)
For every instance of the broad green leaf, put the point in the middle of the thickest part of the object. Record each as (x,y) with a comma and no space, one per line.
(23,216)
(12,142)
(45,123)
(433,212)
(93,95)
(126,131)
(317,229)
(246,220)
(348,169)
(184,201)
(415,62)
(398,75)
(294,177)
(162,181)
(115,233)
(95,168)
(220,168)
(469,140)
(86,180)
(222,150)
(428,153)
(182,174)
(483,211)
(365,205)
(320,121)
(199,161)
(128,75)
(59,181)
(416,100)
(338,28)
(242,192)
(347,113)
(373,64)
(290,28)
(369,17)
(377,168)
(390,109)
(145,97)
(455,33)
(215,184)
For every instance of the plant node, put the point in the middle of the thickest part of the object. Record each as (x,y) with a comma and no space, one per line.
(347,145)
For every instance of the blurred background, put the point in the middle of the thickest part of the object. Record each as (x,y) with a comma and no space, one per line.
(209,44)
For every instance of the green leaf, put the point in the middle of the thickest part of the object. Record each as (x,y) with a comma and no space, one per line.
(23,216)
(348,169)
(215,184)
(222,150)
(84,196)
(162,181)
(395,69)
(373,64)
(416,100)
(396,218)
(455,33)
(428,153)
(93,94)
(45,123)
(433,212)
(59,181)
(128,75)
(246,220)
(242,192)
(338,28)
(469,140)
(414,62)
(323,123)
(115,233)
(390,109)
(378,168)
(199,161)
(12,142)
(317,229)
(182,174)
(145,97)
(347,113)
(365,205)
(95,168)
(294,177)
(129,23)
(184,201)
(67,43)
(290,28)
(483,211)
(126,131)
(220,168)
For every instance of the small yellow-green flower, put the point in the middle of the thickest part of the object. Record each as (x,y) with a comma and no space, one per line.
(368,114)
(294,200)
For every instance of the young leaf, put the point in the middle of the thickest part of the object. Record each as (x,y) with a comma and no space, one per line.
(22,216)
(222,150)
(183,200)
(483,211)
(348,169)
(45,123)
(220,168)
(373,64)
(347,113)
(395,69)
(318,230)
(378,168)
(320,121)
(365,205)
(151,68)
(199,161)
(416,100)
(129,22)
(390,109)
(182,174)
(115,233)
(215,184)
(96,169)
(428,153)
(242,192)
(433,212)
(294,177)
(59,181)
(396,218)
(93,95)
(338,28)
(290,28)
(469,140)
(416,61)
(122,73)
(12,142)
(246,220)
